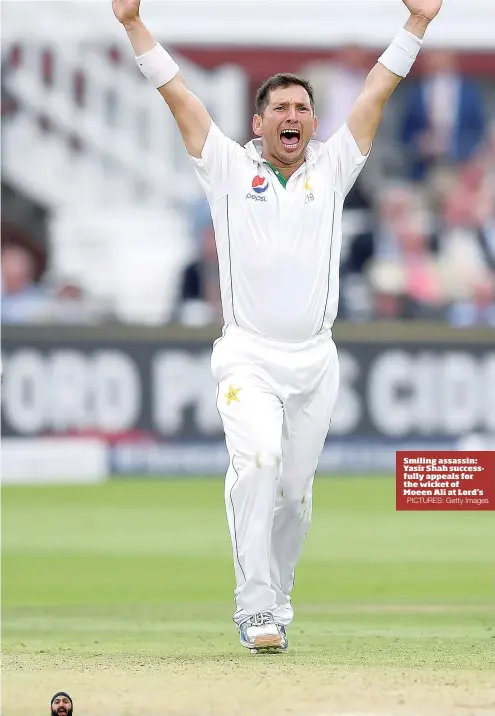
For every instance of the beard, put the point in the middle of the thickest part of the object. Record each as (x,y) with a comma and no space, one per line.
(61,711)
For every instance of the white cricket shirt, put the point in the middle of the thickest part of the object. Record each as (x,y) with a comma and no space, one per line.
(278,247)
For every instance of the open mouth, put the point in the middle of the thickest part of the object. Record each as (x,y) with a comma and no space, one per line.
(290,138)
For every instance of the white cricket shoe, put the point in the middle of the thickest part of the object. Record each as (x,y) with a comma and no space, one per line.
(259,633)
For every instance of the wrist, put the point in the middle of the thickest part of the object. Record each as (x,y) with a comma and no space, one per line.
(401,54)
(156,65)
(132,24)
(417,25)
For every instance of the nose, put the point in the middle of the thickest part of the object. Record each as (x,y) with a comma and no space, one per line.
(292,113)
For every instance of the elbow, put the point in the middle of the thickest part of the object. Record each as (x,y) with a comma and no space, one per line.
(379,86)
(377,95)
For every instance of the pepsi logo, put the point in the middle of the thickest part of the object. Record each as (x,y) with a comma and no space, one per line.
(259,184)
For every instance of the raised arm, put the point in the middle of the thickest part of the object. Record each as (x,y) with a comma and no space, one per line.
(390,69)
(189,112)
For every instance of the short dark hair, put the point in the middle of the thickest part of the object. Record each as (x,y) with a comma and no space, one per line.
(281,81)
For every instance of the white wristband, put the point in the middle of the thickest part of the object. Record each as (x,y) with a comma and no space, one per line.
(401,54)
(157,66)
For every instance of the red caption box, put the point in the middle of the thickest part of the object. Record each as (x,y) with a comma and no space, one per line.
(457,480)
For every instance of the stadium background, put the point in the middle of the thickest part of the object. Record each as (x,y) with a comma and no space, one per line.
(109,309)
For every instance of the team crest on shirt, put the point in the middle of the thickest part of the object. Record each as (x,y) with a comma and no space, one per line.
(260,184)
(309,196)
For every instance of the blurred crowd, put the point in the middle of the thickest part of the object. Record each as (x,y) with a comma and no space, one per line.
(419,237)
(427,248)
(30,296)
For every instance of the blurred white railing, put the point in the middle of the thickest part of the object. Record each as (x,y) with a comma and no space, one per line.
(131,148)
(93,142)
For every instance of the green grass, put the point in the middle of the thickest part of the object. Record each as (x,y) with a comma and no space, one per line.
(145,566)
(122,594)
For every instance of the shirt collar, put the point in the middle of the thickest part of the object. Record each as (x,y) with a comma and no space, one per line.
(254,149)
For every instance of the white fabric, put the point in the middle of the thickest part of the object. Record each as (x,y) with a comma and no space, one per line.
(157,66)
(344,85)
(275,427)
(442,96)
(279,248)
(401,54)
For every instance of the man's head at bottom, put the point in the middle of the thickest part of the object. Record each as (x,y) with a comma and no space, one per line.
(61,704)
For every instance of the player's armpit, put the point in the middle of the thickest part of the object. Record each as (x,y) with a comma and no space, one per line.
(366,114)
(190,114)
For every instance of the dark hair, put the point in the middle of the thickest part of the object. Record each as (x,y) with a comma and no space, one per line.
(62,693)
(281,80)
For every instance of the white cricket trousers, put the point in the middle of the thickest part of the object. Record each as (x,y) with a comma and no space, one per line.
(276,400)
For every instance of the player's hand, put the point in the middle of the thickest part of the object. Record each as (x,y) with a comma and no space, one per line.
(126,10)
(424,8)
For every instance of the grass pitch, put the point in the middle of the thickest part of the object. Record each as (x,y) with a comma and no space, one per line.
(121,594)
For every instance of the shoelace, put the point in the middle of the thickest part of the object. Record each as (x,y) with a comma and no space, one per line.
(261,619)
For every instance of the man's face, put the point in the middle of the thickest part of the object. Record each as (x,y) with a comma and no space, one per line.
(17,269)
(287,125)
(62,706)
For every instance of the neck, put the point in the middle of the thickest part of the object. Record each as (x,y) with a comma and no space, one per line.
(287,170)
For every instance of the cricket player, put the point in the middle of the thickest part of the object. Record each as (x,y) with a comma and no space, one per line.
(277,207)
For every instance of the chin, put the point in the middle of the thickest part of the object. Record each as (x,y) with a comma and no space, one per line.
(291,157)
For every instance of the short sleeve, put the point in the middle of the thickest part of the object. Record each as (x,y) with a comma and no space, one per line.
(346,158)
(216,163)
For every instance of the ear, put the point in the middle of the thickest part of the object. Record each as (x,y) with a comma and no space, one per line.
(258,125)
(315,126)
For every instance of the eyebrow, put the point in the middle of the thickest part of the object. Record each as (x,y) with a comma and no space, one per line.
(284,104)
